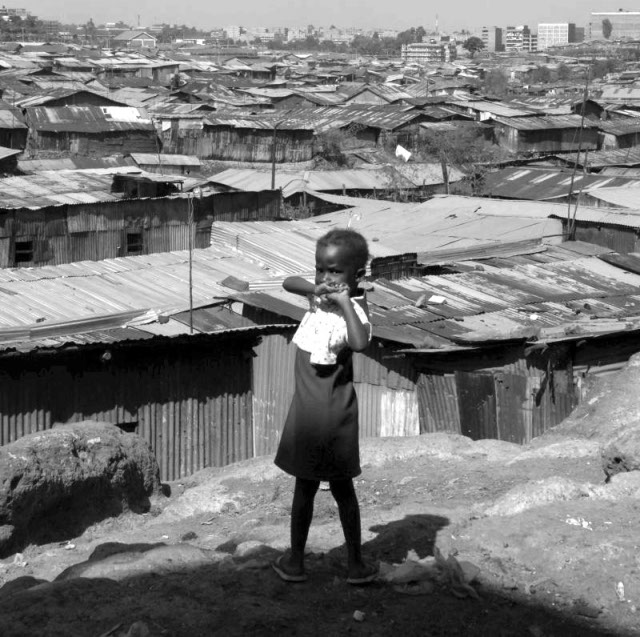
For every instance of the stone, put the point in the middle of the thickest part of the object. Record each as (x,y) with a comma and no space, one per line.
(55,483)
(251,548)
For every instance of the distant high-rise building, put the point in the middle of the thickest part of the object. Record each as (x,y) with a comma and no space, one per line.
(614,25)
(520,38)
(492,38)
(233,32)
(555,34)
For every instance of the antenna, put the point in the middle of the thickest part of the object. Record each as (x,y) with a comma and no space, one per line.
(437,31)
(190,229)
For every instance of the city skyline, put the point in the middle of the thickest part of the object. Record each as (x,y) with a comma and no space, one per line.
(451,16)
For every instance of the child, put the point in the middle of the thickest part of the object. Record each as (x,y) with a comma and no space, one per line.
(319,441)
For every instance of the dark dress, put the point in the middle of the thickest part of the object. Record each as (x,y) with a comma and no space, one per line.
(320,436)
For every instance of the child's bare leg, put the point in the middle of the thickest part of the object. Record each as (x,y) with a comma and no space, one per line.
(344,494)
(301,516)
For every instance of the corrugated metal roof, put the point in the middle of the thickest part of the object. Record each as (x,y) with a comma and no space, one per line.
(88,290)
(538,301)
(11,118)
(323,118)
(8,152)
(153,159)
(619,93)
(623,218)
(47,188)
(53,188)
(31,166)
(602,158)
(548,183)
(499,109)
(446,221)
(39,100)
(617,127)
(88,119)
(546,122)
(621,172)
(619,197)
(292,182)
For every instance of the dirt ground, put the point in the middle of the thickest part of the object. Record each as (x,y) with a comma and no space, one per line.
(552,543)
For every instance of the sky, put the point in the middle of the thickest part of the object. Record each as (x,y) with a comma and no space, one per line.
(396,14)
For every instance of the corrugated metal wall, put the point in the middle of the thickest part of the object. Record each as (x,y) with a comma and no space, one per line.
(387,400)
(99,145)
(273,383)
(96,231)
(192,405)
(507,396)
(616,238)
(231,144)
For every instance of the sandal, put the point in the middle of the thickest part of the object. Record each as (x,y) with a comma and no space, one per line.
(283,575)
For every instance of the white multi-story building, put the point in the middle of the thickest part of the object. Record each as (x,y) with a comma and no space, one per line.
(7,12)
(520,38)
(428,52)
(297,33)
(233,32)
(555,34)
(492,38)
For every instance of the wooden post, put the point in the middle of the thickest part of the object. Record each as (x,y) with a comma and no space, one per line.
(273,157)
(445,175)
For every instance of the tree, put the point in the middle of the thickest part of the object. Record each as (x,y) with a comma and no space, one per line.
(90,30)
(542,74)
(463,147)
(607,28)
(473,45)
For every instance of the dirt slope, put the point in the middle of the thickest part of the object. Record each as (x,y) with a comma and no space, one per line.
(551,540)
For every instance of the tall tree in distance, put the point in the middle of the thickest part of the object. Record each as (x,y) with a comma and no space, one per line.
(473,45)
(607,28)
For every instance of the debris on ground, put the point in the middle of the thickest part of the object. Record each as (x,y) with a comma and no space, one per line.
(419,576)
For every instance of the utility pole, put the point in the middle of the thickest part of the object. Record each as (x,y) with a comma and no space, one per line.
(273,155)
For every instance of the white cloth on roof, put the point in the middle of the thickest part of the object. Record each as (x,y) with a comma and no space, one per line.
(323,330)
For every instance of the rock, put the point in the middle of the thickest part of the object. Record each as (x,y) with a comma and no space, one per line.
(19,584)
(537,493)
(54,483)
(159,559)
(251,548)
(622,453)
(208,498)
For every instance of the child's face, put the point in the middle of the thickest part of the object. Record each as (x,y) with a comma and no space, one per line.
(334,267)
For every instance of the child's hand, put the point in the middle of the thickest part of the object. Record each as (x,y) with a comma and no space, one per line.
(322,289)
(339,293)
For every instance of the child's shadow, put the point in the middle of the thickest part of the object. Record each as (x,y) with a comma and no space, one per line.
(417,532)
